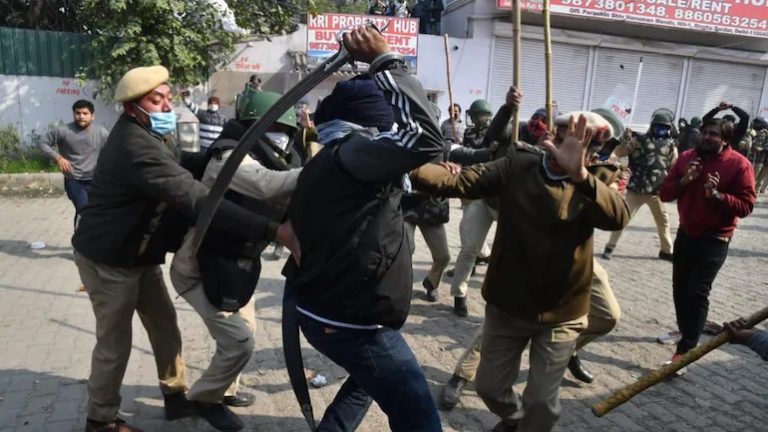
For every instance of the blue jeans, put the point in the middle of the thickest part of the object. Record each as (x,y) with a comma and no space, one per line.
(381,367)
(77,192)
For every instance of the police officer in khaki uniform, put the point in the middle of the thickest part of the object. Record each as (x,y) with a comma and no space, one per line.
(125,231)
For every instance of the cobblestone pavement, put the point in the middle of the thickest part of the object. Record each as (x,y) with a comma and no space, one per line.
(47,333)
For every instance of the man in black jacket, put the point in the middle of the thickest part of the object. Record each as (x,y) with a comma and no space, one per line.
(352,287)
(739,128)
(122,239)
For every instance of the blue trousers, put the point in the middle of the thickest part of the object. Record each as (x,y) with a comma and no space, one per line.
(77,192)
(381,367)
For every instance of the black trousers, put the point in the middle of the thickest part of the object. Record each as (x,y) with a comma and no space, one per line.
(695,264)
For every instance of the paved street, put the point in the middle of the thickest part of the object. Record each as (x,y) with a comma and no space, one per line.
(47,333)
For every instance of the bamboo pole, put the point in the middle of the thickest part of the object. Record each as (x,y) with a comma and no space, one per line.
(548,62)
(652,378)
(516,67)
(450,87)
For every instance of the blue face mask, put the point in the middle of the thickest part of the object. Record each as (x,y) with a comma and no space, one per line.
(164,123)
(661,131)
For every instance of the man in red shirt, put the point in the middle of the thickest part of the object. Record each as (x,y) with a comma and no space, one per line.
(714,186)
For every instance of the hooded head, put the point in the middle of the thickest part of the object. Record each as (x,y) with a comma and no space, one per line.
(696,122)
(358,102)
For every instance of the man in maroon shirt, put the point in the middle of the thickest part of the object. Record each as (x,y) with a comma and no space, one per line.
(714,186)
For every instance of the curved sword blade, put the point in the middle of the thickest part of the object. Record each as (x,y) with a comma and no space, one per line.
(255,132)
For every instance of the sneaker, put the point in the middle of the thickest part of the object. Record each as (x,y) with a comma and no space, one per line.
(607,253)
(118,425)
(666,256)
(675,358)
(460,306)
(482,260)
(451,393)
(431,290)
(219,416)
(670,338)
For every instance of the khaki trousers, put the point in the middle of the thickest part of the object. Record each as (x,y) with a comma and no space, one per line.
(437,242)
(604,314)
(505,337)
(234,335)
(116,293)
(475,223)
(658,210)
(761,177)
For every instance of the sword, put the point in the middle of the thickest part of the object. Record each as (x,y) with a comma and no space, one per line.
(257,130)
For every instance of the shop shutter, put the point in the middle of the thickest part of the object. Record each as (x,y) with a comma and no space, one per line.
(615,76)
(712,82)
(569,75)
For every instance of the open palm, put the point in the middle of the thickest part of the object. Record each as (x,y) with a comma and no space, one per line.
(571,153)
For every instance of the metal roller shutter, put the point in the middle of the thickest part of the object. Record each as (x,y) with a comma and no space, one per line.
(712,82)
(569,74)
(616,74)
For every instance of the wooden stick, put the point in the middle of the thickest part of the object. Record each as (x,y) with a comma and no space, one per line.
(634,95)
(548,62)
(652,378)
(450,89)
(516,67)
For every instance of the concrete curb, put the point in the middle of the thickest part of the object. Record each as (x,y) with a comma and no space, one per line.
(32,183)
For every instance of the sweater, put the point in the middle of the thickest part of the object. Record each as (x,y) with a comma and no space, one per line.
(541,262)
(80,147)
(699,215)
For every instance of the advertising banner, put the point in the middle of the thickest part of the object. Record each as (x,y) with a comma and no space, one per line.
(739,17)
(402,35)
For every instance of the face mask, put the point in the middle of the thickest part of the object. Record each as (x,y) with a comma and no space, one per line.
(278,139)
(164,123)
(213,108)
(661,131)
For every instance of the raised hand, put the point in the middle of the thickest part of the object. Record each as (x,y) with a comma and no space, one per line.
(514,97)
(571,153)
(365,43)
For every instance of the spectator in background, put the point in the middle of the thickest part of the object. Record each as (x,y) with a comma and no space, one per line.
(211,121)
(434,15)
(446,128)
(689,135)
(759,151)
(78,144)
(255,83)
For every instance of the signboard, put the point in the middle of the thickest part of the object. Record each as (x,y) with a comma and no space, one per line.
(402,35)
(738,17)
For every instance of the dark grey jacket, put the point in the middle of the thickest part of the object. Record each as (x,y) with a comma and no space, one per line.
(138,179)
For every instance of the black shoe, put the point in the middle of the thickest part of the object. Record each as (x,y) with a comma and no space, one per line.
(431,290)
(177,406)
(665,256)
(219,416)
(460,306)
(578,371)
(503,427)
(451,393)
(482,260)
(451,272)
(608,253)
(239,400)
